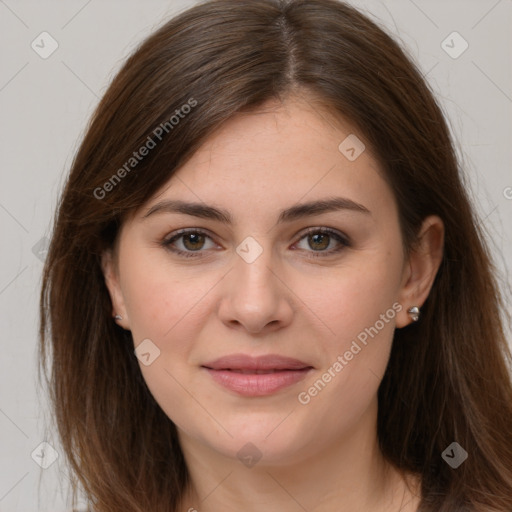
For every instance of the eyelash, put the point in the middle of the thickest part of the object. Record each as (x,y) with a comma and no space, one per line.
(167,243)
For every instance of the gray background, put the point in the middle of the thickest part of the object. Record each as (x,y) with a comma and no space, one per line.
(46,103)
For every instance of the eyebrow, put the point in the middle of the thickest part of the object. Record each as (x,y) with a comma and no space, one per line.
(295,212)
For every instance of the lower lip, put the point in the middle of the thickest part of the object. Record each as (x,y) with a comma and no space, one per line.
(261,384)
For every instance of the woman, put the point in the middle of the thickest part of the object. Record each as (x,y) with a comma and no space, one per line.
(266,287)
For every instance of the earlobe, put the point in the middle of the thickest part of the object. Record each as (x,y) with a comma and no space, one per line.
(421,269)
(111,275)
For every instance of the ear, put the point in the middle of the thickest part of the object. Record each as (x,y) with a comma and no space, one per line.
(111,274)
(421,267)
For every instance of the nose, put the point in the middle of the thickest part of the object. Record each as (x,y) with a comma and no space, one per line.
(255,295)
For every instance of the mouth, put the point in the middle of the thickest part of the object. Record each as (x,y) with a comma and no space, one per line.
(254,372)
(256,376)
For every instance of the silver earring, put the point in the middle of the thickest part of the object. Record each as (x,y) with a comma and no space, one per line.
(118,317)
(414,313)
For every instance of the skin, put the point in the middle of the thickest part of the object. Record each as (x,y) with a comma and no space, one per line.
(319,456)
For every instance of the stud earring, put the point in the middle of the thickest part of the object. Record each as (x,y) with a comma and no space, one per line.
(118,317)
(414,313)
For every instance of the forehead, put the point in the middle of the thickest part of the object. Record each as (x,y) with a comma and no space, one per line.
(295,133)
(280,154)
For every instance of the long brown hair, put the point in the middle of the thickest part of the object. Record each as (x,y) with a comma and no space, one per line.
(448,377)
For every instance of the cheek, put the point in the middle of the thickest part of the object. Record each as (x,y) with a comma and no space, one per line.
(353,297)
(160,300)
(362,319)
(165,308)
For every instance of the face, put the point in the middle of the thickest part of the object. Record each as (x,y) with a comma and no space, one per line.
(315,293)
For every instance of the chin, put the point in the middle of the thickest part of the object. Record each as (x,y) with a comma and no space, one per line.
(267,440)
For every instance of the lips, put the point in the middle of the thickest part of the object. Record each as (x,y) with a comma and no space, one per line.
(256,376)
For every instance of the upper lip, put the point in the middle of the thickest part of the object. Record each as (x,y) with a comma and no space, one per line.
(246,362)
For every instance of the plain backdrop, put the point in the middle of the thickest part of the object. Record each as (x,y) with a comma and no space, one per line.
(46,102)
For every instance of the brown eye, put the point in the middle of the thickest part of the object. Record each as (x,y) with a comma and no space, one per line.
(319,239)
(187,242)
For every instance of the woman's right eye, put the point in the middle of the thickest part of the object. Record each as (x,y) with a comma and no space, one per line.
(192,241)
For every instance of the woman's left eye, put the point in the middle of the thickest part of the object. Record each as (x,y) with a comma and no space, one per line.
(321,238)
(192,242)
